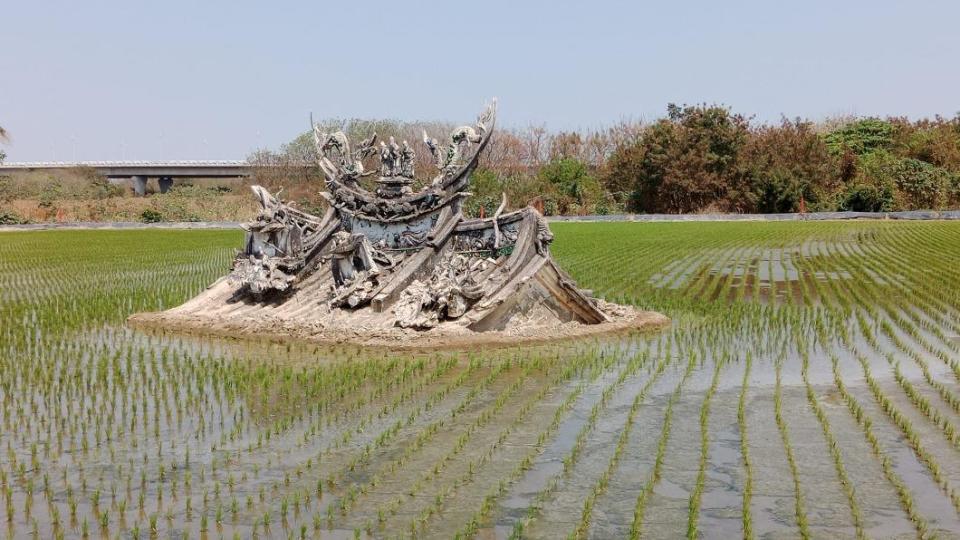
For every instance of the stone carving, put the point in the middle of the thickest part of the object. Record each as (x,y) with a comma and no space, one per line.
(447,294)
(274,242)
(389,159)
(405,258)
(336,158)
(449,157)
(407,158)
(354,265)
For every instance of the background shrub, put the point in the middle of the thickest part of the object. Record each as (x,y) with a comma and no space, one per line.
(8,217)
(151,216)
(867,198)
(861,137)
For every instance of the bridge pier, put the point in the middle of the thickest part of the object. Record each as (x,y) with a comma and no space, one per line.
(165,182)
(140,185)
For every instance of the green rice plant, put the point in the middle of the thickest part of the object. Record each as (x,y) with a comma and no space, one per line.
(799,510)
(524,465)
(695,496)
(745,450)
(465,438)
(905,426)
(832,443)
(906,499)
(636,527)
(186,415)
(601,485)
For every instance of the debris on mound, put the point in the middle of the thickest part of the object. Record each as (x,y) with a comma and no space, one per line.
(393,265)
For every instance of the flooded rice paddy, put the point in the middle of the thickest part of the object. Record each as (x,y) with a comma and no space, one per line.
(808,387)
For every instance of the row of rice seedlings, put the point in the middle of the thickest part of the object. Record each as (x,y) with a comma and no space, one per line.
(342,437)
(894,311)
(662,296)
(940,276)
(924,406)
(799,510)
(636,526)
(695,497)
(835,450)
(400,389)
(903,493)
(906,427)
(600,486)
(474,467)
(490,499)
(381,439)
(922,300)
(932,280)
(747,496)
(425,436)
(943,390)
(712,278)
(470,529)
(749,281)
(571,458)
(389,432)
(432,474)
(919,401)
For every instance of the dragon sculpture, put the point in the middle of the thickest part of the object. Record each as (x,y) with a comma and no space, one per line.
(397,255)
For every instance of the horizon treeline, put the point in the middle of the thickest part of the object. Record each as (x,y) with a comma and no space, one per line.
(695,159)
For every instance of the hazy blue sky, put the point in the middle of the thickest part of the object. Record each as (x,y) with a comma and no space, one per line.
(214,80)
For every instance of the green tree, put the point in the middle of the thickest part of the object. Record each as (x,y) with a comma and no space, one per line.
(867,198)
(786,164)
(4,136)
(577,188)
(861,137)
(487,192)
(683,163)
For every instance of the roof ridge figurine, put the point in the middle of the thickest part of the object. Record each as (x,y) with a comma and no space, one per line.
(395,256)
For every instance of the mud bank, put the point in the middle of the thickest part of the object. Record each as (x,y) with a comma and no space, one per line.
(623,319)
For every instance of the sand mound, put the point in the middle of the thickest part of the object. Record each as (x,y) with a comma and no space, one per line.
(529,329)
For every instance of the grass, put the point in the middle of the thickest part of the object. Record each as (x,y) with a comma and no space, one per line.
(109,431)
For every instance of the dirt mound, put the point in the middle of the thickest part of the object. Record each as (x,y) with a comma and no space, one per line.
(530,329)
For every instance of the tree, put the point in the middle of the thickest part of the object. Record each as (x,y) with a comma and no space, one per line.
(861,137)
(576,187)
(686,162)
(4,136)
(784,165)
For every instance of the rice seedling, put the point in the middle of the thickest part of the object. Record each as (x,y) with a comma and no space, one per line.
(636,527)
(745,451)
(694,504)
(302,435)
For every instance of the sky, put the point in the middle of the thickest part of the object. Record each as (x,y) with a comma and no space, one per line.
(112,80)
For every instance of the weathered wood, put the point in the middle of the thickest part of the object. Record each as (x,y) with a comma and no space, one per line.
(394,256)
(388,294)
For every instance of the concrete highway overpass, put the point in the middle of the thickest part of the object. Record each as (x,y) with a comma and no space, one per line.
(139,172)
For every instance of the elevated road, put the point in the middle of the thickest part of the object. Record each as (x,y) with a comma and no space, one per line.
(150,169)
(141,171)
